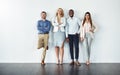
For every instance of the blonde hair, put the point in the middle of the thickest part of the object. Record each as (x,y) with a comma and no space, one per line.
(62,14)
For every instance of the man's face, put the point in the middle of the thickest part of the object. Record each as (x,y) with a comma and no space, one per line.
(71,13)
(43,15)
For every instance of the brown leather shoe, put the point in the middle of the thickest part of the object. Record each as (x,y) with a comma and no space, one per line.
(42,63)
(72,63)
(77,63)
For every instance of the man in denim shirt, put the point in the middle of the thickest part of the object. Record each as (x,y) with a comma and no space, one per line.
(43,27)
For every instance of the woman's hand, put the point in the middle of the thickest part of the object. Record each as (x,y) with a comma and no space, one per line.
(60,23)
(91,30)
(82,39)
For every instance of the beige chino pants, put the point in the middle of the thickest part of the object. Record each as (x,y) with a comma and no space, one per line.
(43,42)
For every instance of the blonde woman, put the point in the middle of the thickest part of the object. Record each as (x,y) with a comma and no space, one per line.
(87,30)
(59,23)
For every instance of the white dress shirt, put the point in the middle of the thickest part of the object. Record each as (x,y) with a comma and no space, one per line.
(73,25)
(57,26)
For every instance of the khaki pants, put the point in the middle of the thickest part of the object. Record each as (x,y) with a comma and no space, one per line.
(43,42)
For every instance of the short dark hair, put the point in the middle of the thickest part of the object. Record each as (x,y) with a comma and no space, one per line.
(43,12)
(71,10)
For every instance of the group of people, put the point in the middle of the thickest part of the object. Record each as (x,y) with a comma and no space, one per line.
(71,30)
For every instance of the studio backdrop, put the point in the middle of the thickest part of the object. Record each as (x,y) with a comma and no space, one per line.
(19,35)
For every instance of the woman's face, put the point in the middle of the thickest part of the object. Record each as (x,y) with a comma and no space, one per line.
(87,16)
(59,11)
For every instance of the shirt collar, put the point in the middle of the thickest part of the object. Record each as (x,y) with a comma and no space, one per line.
(72,17)
(44,20)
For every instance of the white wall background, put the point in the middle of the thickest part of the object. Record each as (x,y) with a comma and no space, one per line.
(18,33)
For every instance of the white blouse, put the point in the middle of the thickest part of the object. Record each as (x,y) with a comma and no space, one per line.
(56,24)
(86,29)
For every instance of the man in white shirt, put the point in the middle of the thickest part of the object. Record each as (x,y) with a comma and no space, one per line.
(72,36)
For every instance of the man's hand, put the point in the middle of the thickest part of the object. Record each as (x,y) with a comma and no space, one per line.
(47,48)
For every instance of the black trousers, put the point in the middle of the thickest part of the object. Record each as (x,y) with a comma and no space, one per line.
(74,41)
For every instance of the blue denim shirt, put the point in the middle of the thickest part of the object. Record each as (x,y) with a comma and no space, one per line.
(43,26)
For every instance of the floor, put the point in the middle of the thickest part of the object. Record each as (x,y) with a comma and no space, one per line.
(53,69)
